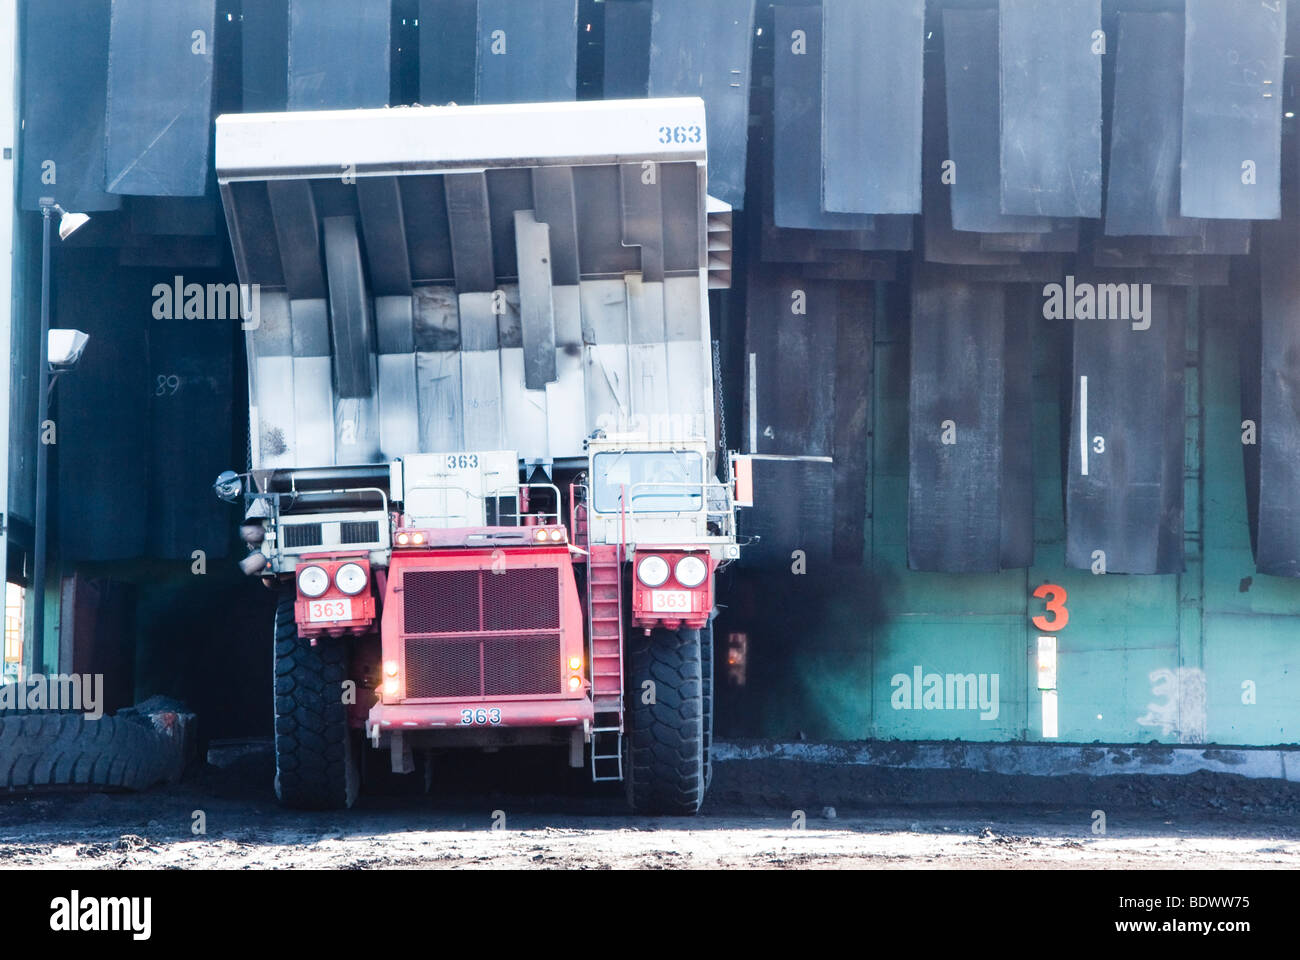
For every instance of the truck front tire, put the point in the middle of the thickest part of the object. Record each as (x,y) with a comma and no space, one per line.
(315,763)
(665,774)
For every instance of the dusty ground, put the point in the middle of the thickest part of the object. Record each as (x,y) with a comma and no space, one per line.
(882,818)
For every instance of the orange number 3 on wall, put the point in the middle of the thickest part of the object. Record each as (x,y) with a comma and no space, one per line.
(1055,597)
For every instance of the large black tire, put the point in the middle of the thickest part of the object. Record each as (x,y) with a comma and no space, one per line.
(665,768)
(45,750)
(706,688)
(315,758)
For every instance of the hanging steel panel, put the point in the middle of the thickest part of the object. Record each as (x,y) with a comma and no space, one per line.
(1124,492)
(956,408)
(871,144)
(339,54)
(1232,109)
(527,50)
(970,51)
(854,381)
(264,47)
(801,533)
(796,126)
(160,60)
(1050,69)
(790,364)
(627,49)
(1147,128)
(64,109)
(971,257)
(448,47)
(704,50)
(1278,379)
(1023,307)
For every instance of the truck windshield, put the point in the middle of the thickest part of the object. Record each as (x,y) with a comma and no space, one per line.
(681,474)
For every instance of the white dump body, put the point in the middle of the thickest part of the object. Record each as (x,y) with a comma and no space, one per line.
(443,279)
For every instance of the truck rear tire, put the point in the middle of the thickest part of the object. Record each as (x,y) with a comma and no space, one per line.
(665,770)
(315,760)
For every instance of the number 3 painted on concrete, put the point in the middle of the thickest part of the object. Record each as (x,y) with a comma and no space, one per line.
(1055,606)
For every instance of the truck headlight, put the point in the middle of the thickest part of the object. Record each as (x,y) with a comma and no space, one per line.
(691,571)
(351,578)
(652,571)
(313,581)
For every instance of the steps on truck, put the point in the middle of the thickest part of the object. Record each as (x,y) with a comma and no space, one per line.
(605,651)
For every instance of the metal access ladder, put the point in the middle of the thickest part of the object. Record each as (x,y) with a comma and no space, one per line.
(605,653)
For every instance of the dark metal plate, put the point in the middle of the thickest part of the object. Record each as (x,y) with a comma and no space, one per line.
(955,432)
(338,54)
(63,108)
(1232,109)
(1051,107)
(527,52)
(871,144)
(1124,490)
(703,50)
(796,126)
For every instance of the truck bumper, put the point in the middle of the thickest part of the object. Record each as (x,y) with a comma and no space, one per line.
(386,717)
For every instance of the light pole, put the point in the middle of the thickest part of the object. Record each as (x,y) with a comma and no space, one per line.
(68,224)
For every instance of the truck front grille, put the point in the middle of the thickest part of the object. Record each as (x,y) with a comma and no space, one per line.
(479,633)
(301,534)
(480,601)
(482,667)
(359,531)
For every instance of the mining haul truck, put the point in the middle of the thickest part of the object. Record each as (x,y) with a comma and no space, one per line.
(484,442)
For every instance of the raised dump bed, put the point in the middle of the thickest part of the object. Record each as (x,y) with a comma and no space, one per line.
(432,279)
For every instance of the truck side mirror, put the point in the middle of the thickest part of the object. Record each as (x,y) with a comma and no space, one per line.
(228,486)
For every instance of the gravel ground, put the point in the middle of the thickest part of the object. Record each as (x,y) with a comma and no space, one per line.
(851,817)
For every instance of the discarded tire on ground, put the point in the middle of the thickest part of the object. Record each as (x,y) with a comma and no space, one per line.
(51,750)
(665,769)
(315,761)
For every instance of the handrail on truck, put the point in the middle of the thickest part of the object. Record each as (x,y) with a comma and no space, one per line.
(704,488)
(541,515)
